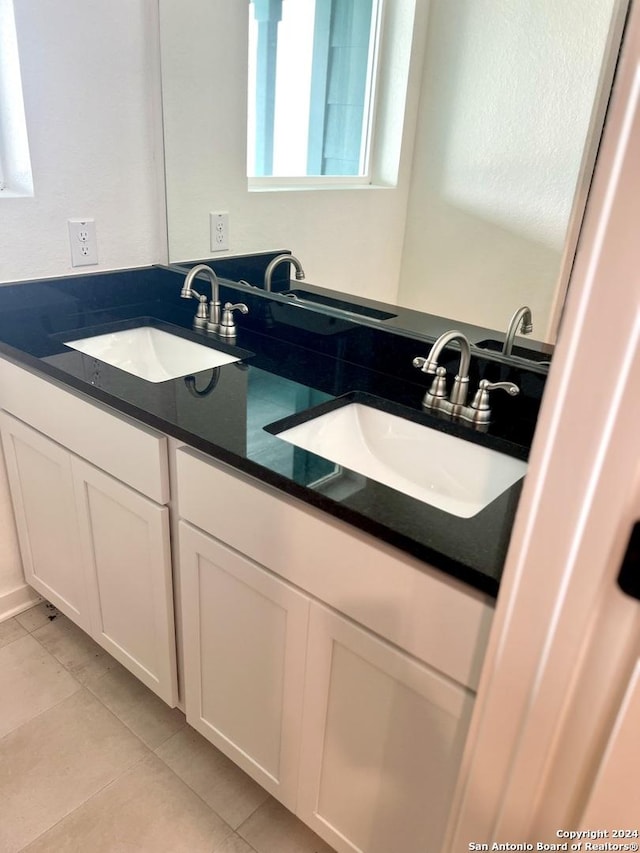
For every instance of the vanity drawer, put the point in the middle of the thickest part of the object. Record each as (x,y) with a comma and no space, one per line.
(130,452)
(437,619)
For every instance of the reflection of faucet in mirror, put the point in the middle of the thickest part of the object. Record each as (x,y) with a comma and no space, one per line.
(478,413)
(210,321)
(521,319)
(281,259)
(513,217)
(467,230)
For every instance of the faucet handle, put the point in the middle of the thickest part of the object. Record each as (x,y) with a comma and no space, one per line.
(480,410)
(437,393)
(227,328)
(238,306)
(202,314)
(439,384)
(424,364)
(481,399)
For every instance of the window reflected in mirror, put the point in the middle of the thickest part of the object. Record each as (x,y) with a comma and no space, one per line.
(311,83)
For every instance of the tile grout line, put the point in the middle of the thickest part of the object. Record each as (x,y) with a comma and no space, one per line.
(62,664)
(47,605)
(148,748)
(98,698)
(250,846)
(81,688)
(15,640)
(88,688)
(38,715)
(51,707)
(237,834)
(193,790)
(85,802)
(150,751)
(248,818)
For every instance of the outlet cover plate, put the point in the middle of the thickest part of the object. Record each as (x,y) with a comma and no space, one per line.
(219,227)
(82,239)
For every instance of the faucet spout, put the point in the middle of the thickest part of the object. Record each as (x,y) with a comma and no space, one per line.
(281,259)
(188,292)
(521,319)
(444,340)
(458,396)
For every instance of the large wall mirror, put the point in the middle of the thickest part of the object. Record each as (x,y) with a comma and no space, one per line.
(488,123)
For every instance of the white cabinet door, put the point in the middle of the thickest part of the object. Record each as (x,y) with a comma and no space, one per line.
(381,741)
(41,481)
(245,637)
(127,559)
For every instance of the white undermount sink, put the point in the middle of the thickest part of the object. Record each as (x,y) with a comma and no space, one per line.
(435,467)
(152,354)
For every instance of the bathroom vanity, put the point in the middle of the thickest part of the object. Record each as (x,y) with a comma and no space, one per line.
(325,631)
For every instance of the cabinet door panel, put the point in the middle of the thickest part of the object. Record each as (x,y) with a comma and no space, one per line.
(126,551)
(245,638)
(382,738)
(41,481)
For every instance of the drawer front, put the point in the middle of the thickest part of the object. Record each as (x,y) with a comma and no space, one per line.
(131,452)
(398,597)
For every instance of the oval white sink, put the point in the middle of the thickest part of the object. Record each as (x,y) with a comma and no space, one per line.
(435,467)
(152,354)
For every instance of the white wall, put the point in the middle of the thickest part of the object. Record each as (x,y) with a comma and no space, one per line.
(92,105)
(348,240)
(505,105)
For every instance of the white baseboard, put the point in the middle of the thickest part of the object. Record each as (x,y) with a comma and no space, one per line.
(17,600)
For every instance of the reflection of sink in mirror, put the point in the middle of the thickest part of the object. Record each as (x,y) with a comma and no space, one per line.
(521,352)
(151,353)
(340,304)
(447,472)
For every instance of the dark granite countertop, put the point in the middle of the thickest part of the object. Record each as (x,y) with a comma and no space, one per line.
(299,358)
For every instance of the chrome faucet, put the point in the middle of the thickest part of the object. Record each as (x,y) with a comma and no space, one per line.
(430,365)
(522,319)
(435,399)
(281,259)
(204,319)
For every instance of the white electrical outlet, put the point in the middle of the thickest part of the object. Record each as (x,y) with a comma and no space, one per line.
(82,238)
(219,225)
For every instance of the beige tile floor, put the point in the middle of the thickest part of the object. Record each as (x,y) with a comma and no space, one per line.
(92,762)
